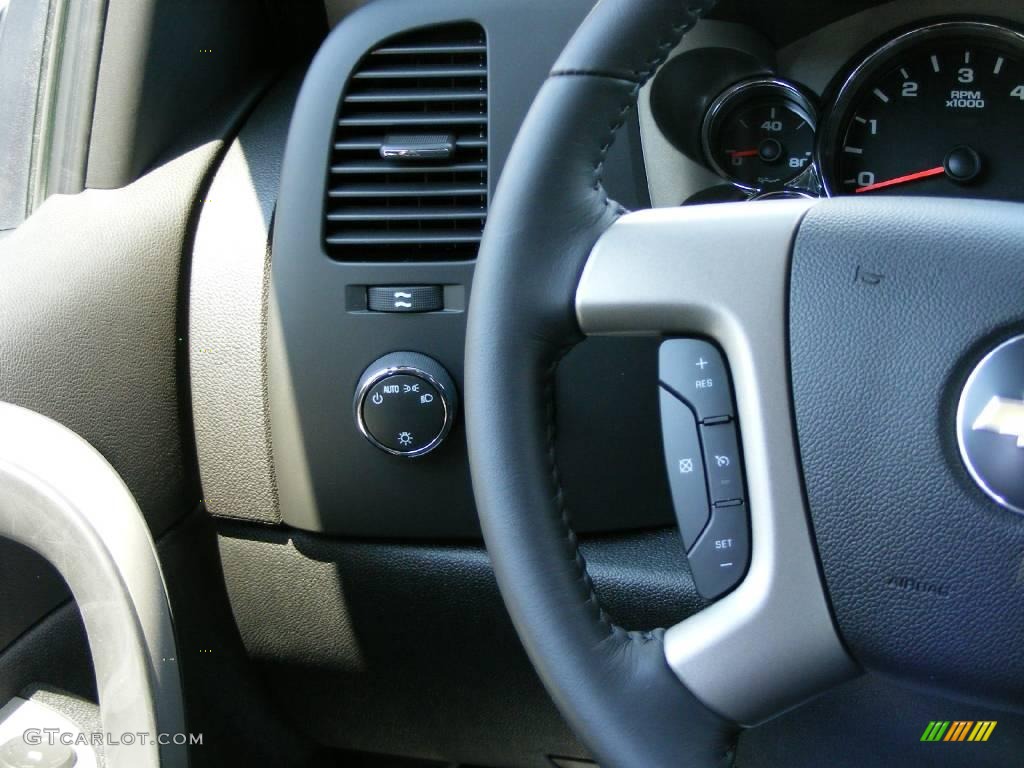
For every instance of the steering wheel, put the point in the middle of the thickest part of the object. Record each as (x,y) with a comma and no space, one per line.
(851,328)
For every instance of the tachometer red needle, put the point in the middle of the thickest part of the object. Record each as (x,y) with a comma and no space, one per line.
(902,179)
(743,152)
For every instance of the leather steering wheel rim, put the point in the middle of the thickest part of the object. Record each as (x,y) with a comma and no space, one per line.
(614,686)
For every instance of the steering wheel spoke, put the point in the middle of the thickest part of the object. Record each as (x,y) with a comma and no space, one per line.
(722,272)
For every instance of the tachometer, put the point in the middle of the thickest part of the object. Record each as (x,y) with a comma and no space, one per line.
(936,111)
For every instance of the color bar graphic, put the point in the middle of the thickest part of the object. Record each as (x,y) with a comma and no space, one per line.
(958,730)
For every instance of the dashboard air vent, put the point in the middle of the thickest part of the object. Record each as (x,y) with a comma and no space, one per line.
(408,173)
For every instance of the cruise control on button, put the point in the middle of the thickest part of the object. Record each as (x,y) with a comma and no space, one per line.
(722,457)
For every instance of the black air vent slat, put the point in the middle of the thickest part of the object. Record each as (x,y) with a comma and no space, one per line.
(390,166)
(419,73)
(399,191)
(407,214)
(372,144)
(428,48)
(421,88)
(403,119)
(415,95)
(373,237)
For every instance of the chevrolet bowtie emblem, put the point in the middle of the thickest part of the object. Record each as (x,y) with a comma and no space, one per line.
(1003,416)
(993,462)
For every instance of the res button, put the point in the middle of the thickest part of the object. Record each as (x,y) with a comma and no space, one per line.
(695,371)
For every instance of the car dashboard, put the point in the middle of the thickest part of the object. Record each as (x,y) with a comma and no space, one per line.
(324,354)
(390,147)
(769,451)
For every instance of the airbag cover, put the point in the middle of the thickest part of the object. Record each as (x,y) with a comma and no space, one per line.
(893,303)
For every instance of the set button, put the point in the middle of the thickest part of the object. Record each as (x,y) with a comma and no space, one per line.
(719,559)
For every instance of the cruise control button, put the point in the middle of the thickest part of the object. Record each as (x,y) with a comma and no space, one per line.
(722,457)
(694,369)
(719,559)
(685,466)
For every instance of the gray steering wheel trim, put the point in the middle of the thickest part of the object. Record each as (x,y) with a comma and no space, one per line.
(723,271)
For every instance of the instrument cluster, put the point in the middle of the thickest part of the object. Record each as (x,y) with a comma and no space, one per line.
(932,110)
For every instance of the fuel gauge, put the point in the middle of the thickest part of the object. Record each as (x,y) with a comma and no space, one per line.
(759,134)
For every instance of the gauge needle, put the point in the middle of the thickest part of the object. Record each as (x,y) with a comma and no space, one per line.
(902,179)
(743,152)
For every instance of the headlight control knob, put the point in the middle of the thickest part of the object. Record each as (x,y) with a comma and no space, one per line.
(405,404)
